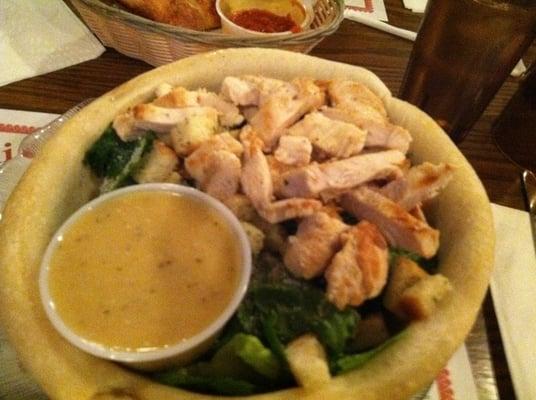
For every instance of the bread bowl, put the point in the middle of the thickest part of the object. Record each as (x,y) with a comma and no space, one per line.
(56,184)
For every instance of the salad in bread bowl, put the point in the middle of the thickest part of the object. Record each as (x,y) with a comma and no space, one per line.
(363,285)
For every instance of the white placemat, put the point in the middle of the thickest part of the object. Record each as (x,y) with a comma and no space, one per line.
(14,126)
(40,36)
(417,6)
(513,288)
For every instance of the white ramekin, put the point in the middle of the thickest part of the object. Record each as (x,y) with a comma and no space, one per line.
(230,27)
(180,353)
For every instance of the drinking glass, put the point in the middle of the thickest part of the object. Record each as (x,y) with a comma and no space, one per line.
(515,129)
(464,51)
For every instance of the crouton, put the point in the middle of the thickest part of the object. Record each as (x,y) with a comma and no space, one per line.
(176,97)
(240,205)
(308,361)
(255,236)
(275,236)
(411,292)
(371,332)
(160,165)
(163,89)
(404,273)
(188,135)
(419,300)
(174,177)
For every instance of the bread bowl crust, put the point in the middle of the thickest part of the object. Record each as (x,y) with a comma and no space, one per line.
(57,183)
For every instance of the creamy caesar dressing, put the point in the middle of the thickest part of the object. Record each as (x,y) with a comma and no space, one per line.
(144,270)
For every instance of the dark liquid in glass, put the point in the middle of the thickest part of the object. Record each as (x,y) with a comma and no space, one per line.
(465,50)
(515,129)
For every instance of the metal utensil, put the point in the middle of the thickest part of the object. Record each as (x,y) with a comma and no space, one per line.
(528,185)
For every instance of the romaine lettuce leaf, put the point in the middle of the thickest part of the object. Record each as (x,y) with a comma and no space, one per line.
(243,365)
(293,310)
(115,160)
(183,378)
(350,362)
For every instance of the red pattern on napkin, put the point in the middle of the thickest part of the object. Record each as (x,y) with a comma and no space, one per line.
(11,128)
(444,385)
(369,7)
(8,147)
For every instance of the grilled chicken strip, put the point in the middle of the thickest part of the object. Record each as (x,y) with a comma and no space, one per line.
(399,227)
(196,162)
(277,170)
(229,114)
(359,270)
(252,90)
(380,132)
(216,166)
(277,114)
(256,179)
(353,102)
(179,97)
(223,171)
(284,108)
(420,183)
(311,180)
(240,91)
(286,209)
(216,158)
(162,120)
(278,104)
(330,138)
(257,184)
(316,241)
(294,150)
(350,94)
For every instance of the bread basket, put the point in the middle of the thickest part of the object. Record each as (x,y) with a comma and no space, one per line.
(157,43)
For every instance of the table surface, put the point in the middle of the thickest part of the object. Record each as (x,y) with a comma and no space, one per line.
(354,44)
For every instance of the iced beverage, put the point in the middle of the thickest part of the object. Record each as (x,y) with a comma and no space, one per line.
(464,51)
(515,129)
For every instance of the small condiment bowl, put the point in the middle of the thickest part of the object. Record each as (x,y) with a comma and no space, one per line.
(301,11)
(176,354)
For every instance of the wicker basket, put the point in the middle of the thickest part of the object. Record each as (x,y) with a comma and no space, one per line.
(158,43)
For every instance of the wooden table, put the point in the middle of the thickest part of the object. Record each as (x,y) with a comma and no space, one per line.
(353,43)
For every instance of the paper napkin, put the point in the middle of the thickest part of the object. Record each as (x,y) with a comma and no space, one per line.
(40,36)
(374,9)
(455,381)
(14,126)
(417,6)
(513,288)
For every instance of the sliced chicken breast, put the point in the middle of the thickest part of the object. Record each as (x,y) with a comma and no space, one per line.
(294,150)
(351,94)
(257,184)
(162,120)
(359,270)
(330,138)
(311,180)
(222,176)
(421,183)
(400,228)
(311,249)
(380,132)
